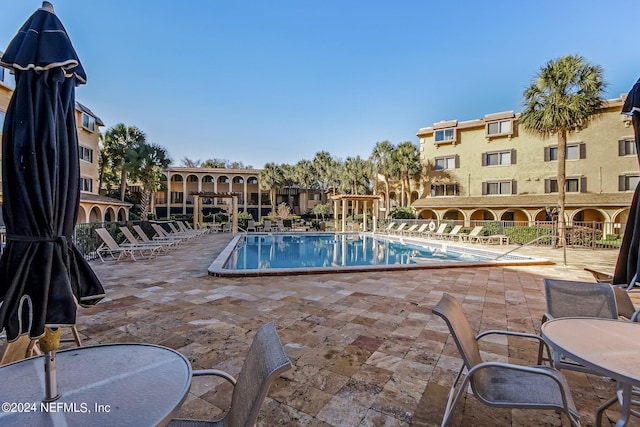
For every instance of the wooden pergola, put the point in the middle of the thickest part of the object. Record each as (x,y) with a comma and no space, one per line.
(356,198)
(197,212)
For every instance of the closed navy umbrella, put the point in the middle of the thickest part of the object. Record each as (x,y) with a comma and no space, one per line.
(42,275)
(628,263)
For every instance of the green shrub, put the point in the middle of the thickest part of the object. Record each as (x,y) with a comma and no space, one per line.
(403,213)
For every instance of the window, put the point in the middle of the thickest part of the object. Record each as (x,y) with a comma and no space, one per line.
(499,158)
(628,182)
(192,178)
(238,180)
(445,135)
(626,147)
(252,180)
(572,185)
(7,78)
(86,184)
(86,154)
(499,187)
(177,197)
(444,190)
(2,116)
(574,152)
(502,127)
(449,162)
(88,122)
(223,179)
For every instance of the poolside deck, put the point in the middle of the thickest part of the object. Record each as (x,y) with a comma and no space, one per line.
(365,347)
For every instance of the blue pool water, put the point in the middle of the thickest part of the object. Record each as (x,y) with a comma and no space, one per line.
(294,253)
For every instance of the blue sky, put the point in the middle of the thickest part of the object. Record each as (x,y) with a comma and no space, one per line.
(278,81)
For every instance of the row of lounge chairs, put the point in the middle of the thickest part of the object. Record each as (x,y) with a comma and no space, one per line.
(144,246)
(424,231)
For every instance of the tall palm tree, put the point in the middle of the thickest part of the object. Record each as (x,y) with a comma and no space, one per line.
(406,163)
(147,162)
(305,177)
(355,179)
(382,165)
(270,179)
(322,163)
(118,141)
(563,97)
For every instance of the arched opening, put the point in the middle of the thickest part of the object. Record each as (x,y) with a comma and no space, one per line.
(109,215)
(514,215)
(481,215)
(427,214)
(453,215)
(95,215)
(122,214)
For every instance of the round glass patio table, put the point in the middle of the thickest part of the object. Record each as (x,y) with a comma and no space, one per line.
(105,385)
(607,346)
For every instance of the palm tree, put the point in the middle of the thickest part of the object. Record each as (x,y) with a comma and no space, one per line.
(355,177)
(147,162)
(305,178)
(270,179)
(563,97)
(405,162)
(382,166)
(118,141)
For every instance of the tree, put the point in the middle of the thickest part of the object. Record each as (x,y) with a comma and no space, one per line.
(118,141)
(147,162)
(214,163)
(270,179)
(406,164)
(355,179)
(188,163)
(565,95)
(381,162)
(326,168)
(305,178)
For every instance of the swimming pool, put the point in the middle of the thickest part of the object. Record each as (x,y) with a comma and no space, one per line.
(303,253)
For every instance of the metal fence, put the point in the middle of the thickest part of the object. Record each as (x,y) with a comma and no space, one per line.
(594,235)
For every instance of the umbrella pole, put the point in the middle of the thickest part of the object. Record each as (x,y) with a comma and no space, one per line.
(50,382)
(49,343)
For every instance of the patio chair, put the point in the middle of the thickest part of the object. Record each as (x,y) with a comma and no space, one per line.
(389,227)
(498,384)
(182,228)
(267,226)
(161,233)
(453,234)
(399,229)
(164,245)
(19,349)
(265,361)
(567,298)
(109,246)
(178,232)
(174,241)
(625,306)
(438,232)
(251,226)
(473,234)
(188,225)
(420,230)
(600,276)
(409,230)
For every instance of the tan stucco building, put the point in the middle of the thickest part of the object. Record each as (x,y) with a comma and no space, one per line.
(495,170)
(93,207)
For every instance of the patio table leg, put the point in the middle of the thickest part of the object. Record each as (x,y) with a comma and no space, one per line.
(624,396)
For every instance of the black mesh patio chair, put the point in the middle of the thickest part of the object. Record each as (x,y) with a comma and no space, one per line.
(265,361)
(497,384)
(567,298)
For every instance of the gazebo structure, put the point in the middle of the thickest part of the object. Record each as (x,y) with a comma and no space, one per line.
(197,212)
(343,199)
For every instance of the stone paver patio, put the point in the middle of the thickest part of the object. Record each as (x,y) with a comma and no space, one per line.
(365,347)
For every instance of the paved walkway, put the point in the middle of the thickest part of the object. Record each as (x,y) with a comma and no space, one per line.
(365,347)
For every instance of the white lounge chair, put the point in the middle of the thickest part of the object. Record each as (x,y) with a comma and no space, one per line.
(439,232)
(159,239)
(131,239)
(111,247)
(162,233)
(453,234)
(473,235)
